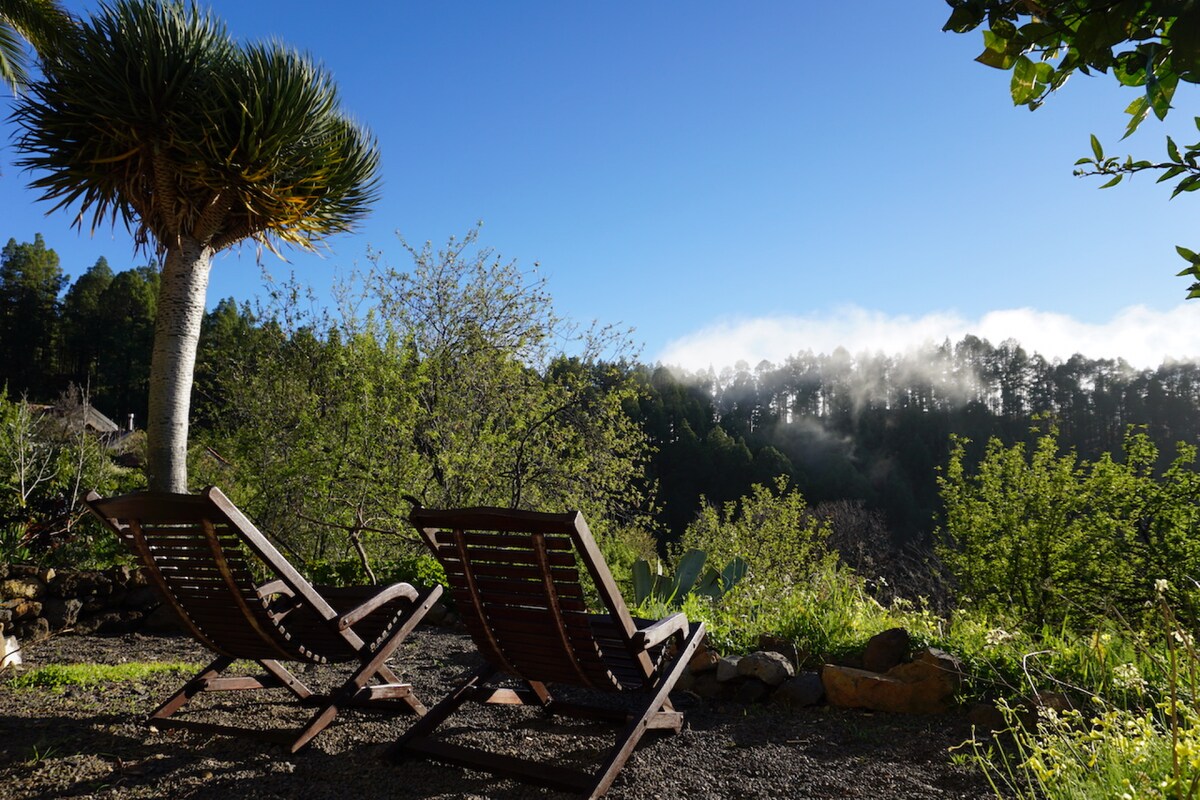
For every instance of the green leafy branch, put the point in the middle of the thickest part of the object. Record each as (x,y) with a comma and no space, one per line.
(1182,165)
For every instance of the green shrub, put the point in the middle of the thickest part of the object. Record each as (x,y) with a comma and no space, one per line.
(770,529)
(1051,538)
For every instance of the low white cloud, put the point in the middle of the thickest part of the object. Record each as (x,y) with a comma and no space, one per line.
(1142,336)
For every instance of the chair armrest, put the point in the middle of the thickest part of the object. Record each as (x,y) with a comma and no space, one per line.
(660,631)
(283,602)
(384,596)
(275,587)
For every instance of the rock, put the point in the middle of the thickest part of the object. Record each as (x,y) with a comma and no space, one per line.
(162,620)
(707,686)
(108,622)
(930,664)
(34,630)
(985,717)
(142,598)
(705,660)
(727,668)
(120,575)
(6,616)
(21,608)
(685,683)
(61,613)
(751,691)
(46,575)
(3,571)
(925,686)
(94,605)
(769,667)
(22,586)
(777,644)
(799,692)
(886,650)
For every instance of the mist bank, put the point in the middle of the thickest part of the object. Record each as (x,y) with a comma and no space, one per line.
(1139,335)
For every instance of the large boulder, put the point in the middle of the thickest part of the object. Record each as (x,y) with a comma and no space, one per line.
(924,686)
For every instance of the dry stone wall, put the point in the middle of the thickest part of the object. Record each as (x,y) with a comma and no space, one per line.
(38,601)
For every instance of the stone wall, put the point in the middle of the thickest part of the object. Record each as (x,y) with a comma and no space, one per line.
(38,601)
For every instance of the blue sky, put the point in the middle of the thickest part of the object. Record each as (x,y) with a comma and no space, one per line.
(733,180)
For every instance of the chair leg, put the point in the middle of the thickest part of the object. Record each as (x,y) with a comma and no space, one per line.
(193,687)
(657,704)
(286,678)
(374,666)
(441,711)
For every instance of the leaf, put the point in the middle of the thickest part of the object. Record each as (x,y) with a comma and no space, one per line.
(991,58)
(1189,256)
(964,18)
(643,583)
(1173,150)
(1024,81)
(1113,182)
(1170,173)
(1159,91)
(1137,110)
(998,52)
(734,571)
(1097,149)
(1189,184)
(688,570)
(709,584)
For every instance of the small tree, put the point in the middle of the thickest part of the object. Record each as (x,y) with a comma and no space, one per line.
(153,115)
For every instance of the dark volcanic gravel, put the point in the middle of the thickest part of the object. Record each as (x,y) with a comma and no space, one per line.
(92,742)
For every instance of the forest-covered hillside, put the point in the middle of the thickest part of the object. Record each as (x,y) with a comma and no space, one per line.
(869,427)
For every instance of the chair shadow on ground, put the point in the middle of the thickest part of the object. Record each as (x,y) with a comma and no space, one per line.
(90,756)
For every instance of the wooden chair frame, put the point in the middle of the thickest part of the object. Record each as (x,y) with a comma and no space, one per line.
(515,580)
(198,551)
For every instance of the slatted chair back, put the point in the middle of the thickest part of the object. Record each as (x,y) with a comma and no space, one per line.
(209,562)
(515,578)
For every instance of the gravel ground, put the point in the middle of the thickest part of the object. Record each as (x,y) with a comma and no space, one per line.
(92,742)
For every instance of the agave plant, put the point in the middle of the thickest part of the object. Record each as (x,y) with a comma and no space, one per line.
(151,114)
(691,577)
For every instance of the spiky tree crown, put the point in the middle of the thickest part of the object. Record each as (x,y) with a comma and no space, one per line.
(152,114)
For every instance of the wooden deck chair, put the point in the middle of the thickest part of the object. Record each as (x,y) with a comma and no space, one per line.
(515,579)
(241,599)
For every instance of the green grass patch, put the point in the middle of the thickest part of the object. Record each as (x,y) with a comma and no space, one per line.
(60,676)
